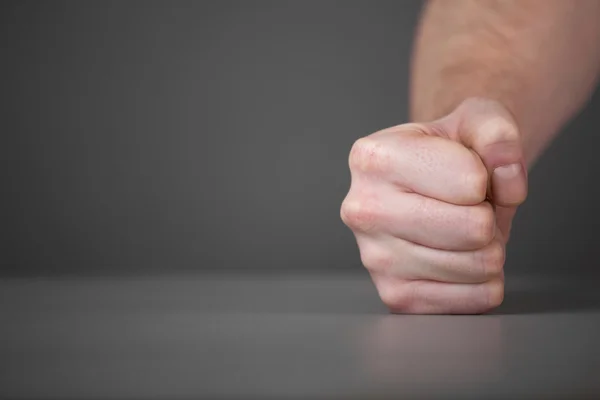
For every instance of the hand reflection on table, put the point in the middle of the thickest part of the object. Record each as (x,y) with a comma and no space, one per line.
(404,349)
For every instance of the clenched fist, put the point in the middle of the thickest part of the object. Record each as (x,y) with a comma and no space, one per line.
(431,205)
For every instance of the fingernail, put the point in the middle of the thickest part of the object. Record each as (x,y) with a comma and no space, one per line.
(509,185)
(508,171)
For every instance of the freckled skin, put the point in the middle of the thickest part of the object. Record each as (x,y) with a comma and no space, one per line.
(431,201)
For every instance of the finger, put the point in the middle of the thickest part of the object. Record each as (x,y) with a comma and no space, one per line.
(429,297)
(406,260)
(492,133)
(418,219)
(429,165)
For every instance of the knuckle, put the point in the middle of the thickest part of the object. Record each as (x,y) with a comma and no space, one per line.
(359,214)
(368,155)
(481,225)
(493,259)
(499,129)
(494,121)
(398,299)
(376,259)
(495,293)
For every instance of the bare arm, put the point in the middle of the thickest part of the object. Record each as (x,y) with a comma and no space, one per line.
(539,58)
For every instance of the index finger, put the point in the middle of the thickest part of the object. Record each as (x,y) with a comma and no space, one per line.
(429,165)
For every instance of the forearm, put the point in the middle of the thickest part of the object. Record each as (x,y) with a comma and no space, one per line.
(539,58)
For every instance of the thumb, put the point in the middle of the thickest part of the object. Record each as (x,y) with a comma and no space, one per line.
(488,128)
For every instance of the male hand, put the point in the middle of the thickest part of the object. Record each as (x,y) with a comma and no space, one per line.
(431,205)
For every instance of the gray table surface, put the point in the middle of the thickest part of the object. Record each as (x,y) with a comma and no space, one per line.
(289,336)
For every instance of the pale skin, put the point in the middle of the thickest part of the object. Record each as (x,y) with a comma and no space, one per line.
(431,202)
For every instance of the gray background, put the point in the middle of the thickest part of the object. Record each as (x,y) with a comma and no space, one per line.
(159,137)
